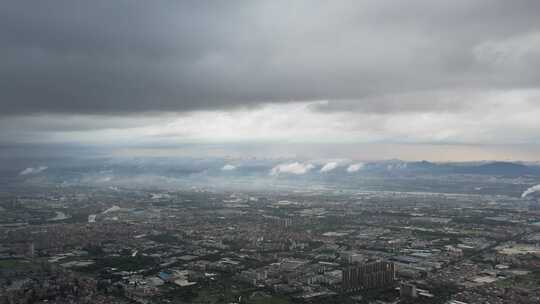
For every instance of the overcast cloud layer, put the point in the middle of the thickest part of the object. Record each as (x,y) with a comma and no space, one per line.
(463,71)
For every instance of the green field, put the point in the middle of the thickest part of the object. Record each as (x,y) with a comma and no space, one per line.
(8,263)
(14,264)
(531,280)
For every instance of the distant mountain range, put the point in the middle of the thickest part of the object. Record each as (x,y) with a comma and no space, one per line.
(252,173)
(176,167)
(491,168)
(501,168)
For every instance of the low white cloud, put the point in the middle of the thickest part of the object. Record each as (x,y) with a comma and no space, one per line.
(355,167)
(495,118)
(228,167)
(31,170)
(329,167)
(292,168)
(530,191)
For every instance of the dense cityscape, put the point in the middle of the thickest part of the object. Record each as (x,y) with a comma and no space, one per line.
(89,244)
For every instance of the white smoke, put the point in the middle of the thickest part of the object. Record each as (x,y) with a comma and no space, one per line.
(291,168)
(355,167)
(112,209)
(530,190)
(228,167)
(329,167)
(31,170)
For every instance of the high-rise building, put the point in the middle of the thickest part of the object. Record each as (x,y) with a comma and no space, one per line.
(407,291)
(352,257)
(31,250)
(368,276)
(280,222)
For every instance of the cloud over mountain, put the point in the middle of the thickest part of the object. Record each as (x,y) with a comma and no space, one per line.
(355,167)
(329,167)
(31,170)
(296,168)
(228,167)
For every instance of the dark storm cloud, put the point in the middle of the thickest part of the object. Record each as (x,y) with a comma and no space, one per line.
(115,57)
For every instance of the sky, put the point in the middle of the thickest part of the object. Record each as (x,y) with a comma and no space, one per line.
(437,80)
